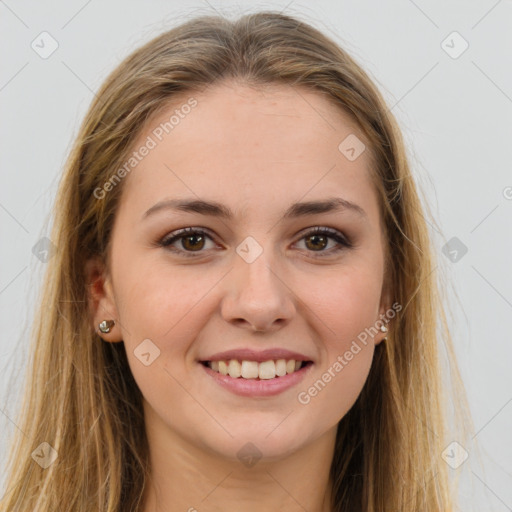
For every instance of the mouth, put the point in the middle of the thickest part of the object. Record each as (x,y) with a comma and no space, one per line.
(254,370)
(257,379)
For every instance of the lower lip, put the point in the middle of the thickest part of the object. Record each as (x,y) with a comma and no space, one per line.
(257,387)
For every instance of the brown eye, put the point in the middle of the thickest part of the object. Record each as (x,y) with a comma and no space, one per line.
(192,240)
(317,240)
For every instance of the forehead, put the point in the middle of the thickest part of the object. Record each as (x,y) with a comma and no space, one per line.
(245,145)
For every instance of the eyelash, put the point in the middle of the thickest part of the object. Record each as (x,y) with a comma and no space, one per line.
(343,242)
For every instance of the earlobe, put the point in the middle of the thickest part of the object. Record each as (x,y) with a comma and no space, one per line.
(102,306)
(385,306)
(384,330)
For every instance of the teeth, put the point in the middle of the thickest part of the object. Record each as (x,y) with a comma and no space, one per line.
(281,367)
(234,369)
(249,369)
(253,370)
(223,367)
(267,370)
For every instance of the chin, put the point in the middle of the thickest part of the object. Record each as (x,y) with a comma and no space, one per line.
(262,441)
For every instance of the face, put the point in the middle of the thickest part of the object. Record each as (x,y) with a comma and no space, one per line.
(259,277)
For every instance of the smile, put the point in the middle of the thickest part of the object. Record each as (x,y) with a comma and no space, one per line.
(265,370)
(257,379)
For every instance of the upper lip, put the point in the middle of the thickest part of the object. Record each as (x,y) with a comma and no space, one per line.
(246,354)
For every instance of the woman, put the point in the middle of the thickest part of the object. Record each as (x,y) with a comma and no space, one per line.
(242,313)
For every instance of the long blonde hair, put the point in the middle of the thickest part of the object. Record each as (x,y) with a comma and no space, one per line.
(80,396)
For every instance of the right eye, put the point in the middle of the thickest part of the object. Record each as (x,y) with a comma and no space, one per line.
(192,241)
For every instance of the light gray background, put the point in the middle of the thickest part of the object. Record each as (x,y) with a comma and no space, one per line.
(455,114)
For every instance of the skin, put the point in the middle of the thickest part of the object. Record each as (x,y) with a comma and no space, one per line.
(256,152)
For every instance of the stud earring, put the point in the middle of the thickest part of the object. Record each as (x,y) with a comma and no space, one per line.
(384,329)
(106,326)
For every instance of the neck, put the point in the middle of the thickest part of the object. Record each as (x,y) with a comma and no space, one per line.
(188,478)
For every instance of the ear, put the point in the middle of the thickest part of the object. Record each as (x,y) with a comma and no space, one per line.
(102,304)
(385,305)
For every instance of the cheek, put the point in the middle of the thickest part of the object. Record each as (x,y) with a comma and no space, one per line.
(347,309)
(347,303)
(337,385)
(170,308)
(157,300)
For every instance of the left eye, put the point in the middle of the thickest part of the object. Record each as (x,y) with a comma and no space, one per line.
(193,240)
(320,236)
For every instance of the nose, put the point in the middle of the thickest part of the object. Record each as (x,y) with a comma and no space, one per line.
(257,297)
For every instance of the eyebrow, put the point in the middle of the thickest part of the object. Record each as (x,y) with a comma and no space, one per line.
(333,204)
